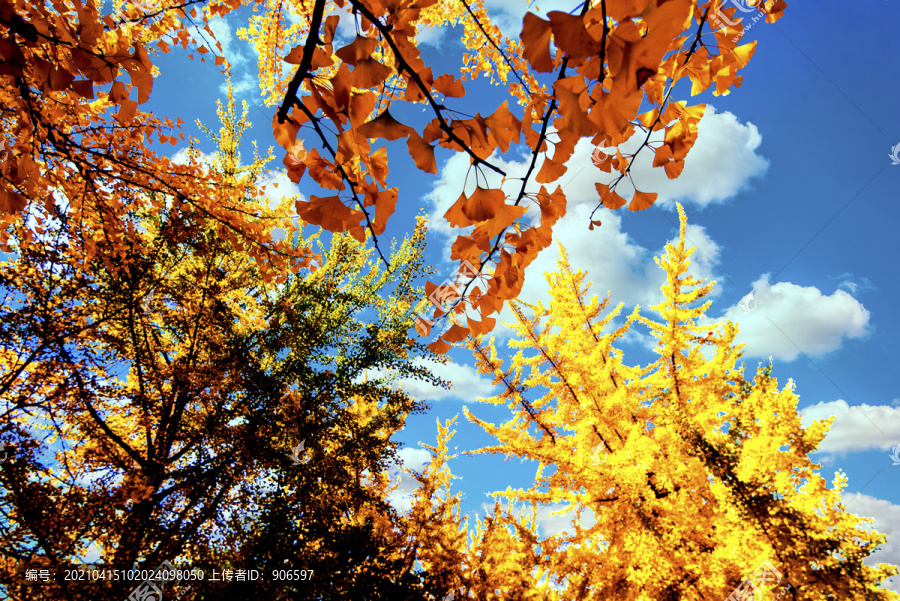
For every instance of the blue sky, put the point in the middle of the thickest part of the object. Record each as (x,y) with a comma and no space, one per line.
(790,195)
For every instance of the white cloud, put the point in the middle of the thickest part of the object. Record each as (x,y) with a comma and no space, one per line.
(790,319)
(182,157)
(613,260)
(722,162)
(852,284)
(860,428)
(508,15)
(725,148)
(222,30)
(284,188)
(886,520)
(466,383)
(243,86)
(411,458)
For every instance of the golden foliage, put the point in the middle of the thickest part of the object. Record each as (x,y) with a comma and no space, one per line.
(679,478)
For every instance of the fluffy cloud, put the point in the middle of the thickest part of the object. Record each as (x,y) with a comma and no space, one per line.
(183,157)
(278,186)
(723,161)
(222,30)
(615,262)
(411,459)
(858,428)
(786,320)
(466,383)
(508,15)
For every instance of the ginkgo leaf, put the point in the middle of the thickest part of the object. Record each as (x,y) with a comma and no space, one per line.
(422,153)
(467,249)
(482,327)
(11,202)
(127,110)
(385,126)
(384,208)
(285,133)
(369,73)
(439,346)
(611,200)
(447,85)
(674,168)
(622,10)
(504,126)
(535,37)
(328,212)
(359,49)
(570,35)
(550,172)
(361,106)
(455,334)
(642,200)
(482,205)
(500,220)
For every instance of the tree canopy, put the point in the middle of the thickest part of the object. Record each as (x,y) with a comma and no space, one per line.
(189,375)
(605,71)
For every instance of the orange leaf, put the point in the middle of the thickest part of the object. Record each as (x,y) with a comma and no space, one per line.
(11,202)
(84,88)
(570,35)
(550,172)
(439,346)
(466,249)
(448,86)
(610,199)
(423,327)
(330,26)
(503,218)
(481,206)
(456,333)
(127,109)
(553,206)
(422,153)
(295,56)
(285,133)
(642,200)
(626,8)
(369,73)
(385,126)
(377,164)
(504,125)
(413,92)
(361,105)
(536,42)
(328,212)
(357,50)
(481,327)
(674,168)
(489,303)
(385,205)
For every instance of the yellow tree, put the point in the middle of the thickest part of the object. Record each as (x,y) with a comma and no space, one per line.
(683,479)
(153,408)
